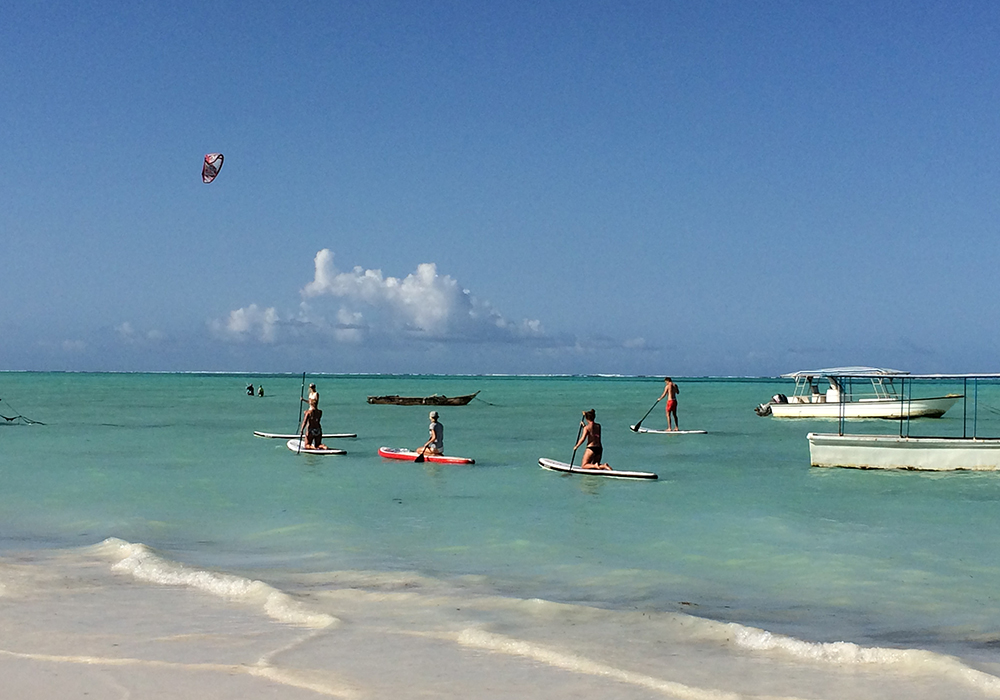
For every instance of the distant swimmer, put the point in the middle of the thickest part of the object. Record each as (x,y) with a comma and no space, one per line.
(313,399)
(312,428)
(260,390)
(592,436)
(435,443)
(249,389)
(670,390)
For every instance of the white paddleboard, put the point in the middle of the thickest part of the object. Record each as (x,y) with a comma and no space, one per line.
(555,466)
(668,432)
(295,436)
(297,445)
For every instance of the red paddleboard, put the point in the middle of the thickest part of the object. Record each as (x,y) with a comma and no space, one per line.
(411,455)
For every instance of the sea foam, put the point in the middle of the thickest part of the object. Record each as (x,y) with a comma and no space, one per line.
(144,564)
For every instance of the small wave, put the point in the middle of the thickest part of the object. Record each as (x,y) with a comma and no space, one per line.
(480,639)
(144,564)
(848,653)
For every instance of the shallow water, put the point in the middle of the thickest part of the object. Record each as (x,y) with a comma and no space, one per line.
(740,560)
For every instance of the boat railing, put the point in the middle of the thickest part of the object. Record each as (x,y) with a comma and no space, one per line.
(977,414)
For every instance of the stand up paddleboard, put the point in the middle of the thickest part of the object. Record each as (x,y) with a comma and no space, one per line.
(555,466)
(297,445)
(295,436)
(411,455)
(668,432)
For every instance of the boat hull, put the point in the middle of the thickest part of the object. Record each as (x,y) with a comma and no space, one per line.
(422,400)
(891,409)
(894,452)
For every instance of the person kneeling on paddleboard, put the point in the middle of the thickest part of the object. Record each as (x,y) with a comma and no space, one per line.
(313,429)
(435,444)
(592,436)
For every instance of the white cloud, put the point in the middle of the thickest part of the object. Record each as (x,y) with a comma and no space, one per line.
(422,304)
(128,335)
(249,323)
(373,312)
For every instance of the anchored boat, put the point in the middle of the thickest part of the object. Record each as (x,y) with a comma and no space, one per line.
(853,393)
(962,449)
(434,400)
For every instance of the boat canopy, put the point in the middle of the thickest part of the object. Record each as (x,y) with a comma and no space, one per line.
(847,372)
(876,372)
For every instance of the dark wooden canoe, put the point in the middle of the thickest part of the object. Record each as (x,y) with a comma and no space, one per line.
(435,400)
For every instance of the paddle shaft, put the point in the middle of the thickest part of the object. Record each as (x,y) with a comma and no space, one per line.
(302,393)
(579,432)
(635,428)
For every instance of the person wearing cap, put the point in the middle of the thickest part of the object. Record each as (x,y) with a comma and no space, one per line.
(313,399)
(435,444)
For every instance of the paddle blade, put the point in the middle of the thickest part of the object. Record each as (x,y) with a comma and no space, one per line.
(419,458)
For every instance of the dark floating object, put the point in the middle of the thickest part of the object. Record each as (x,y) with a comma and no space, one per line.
(435,400)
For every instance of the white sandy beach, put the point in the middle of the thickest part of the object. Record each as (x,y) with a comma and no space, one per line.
(96,624)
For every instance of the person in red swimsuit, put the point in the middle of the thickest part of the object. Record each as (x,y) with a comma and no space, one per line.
(592,436)
(670,390)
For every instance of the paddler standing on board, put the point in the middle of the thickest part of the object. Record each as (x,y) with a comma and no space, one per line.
(670,390)
(313,399)
(592,436)
(434,444)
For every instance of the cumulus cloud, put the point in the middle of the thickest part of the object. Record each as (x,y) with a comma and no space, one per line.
(422,304)
(365,308)
(249,323)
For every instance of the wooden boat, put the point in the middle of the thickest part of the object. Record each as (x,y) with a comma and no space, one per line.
(434,400)
(959,446)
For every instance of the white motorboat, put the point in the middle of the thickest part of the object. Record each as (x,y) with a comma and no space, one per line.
(965,451)
(854,393)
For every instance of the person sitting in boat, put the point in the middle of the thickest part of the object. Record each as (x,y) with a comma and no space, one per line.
(313,429)
(592,436)
(435,443)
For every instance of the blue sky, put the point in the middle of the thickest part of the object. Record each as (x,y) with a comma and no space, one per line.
(623,187)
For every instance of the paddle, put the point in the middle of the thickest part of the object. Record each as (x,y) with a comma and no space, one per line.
(302,428)
(635,428)
(579,432)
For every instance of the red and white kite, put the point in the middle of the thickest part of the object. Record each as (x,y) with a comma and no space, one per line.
(213,164)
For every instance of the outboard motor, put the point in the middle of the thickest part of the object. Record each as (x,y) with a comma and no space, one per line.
(763,410)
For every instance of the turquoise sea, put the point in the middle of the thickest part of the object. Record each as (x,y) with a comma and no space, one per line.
(741,572)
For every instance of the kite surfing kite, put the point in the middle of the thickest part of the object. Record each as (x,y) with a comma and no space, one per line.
(213,164)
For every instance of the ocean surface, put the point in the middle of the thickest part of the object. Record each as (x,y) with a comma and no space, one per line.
(145,530)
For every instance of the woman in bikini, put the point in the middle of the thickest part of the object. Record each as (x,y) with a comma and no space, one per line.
(592,436)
